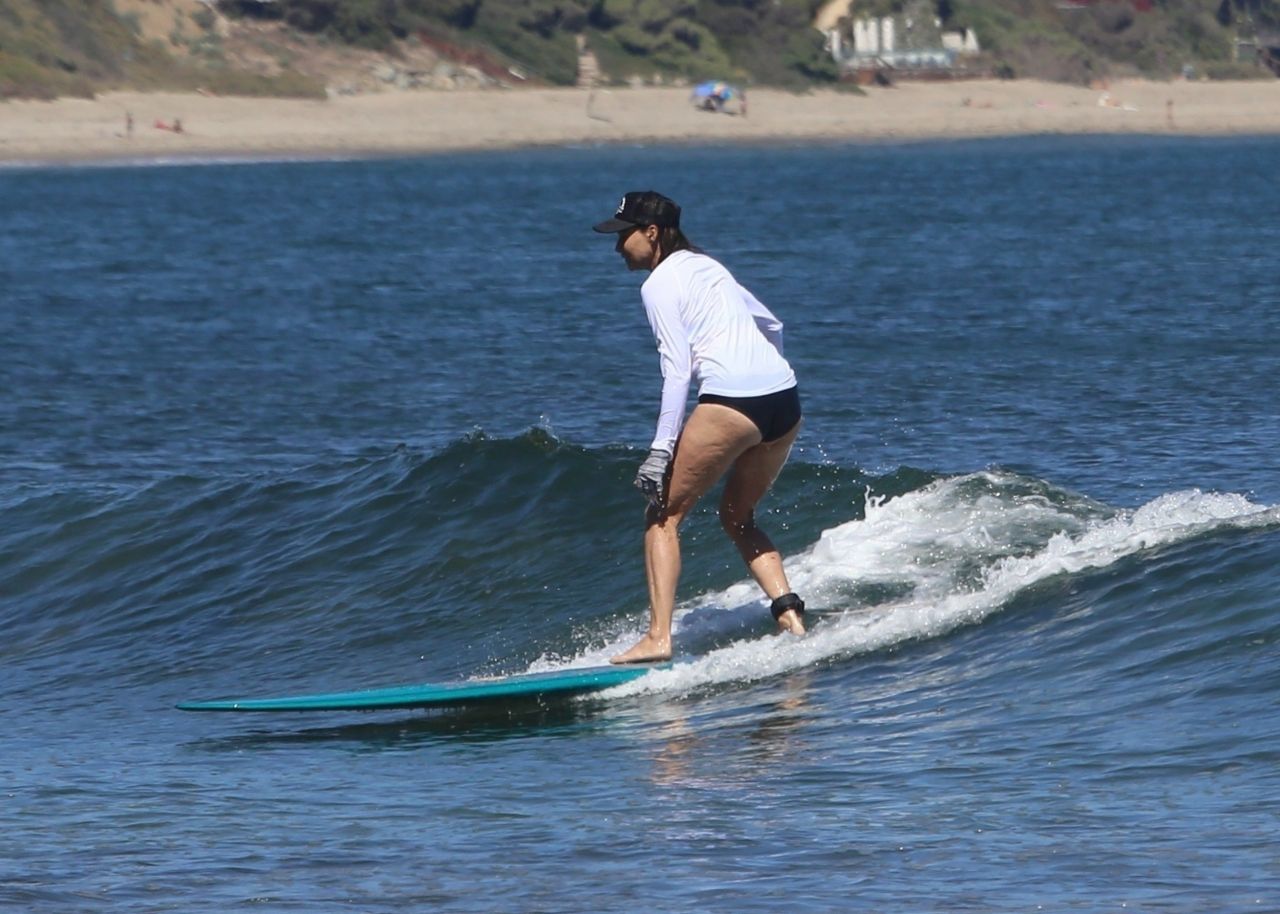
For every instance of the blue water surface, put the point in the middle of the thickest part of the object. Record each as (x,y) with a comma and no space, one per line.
(297,426)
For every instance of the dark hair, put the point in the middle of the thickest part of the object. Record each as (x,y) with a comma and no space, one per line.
(671,239)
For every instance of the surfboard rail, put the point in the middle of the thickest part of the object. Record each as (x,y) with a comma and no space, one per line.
(564,682)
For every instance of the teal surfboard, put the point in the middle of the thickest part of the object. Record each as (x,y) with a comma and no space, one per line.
(441,694)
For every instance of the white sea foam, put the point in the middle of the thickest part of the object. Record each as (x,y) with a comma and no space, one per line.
(946,555)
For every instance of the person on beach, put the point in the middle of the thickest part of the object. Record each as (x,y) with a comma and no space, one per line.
(746,419)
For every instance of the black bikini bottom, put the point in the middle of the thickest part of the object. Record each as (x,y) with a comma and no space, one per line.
(774,414)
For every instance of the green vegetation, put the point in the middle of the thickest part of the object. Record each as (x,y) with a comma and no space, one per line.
(768,41)
(1048,40)
(1078,40)
(535,35)
(773,42)
(51,48)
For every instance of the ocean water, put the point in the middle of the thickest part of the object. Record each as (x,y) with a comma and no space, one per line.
(294,426)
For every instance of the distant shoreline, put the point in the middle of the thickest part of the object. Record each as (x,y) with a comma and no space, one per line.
(406,123)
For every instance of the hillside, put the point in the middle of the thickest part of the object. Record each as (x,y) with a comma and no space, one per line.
(306,48)
(51,48)
(775,42)
(1083,40)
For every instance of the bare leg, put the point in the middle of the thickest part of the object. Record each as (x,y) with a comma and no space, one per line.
(753,474)
(713,438)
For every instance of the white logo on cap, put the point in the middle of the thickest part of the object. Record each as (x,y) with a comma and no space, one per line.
(622,205)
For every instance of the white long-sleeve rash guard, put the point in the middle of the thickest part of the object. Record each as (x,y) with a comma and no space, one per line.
(706,325)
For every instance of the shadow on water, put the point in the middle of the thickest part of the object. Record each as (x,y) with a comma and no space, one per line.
(410,729)
(530,718)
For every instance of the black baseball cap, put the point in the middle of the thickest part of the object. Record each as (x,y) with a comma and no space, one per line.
(642,207)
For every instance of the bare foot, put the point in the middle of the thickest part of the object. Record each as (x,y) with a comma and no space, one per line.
(647,650)
(790,621)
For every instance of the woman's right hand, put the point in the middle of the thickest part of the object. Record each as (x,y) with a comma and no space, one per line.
(651,478)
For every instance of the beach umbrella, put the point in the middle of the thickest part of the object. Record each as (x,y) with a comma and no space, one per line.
(715,89)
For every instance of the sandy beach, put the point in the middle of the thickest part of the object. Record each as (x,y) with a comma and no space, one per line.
(427,121)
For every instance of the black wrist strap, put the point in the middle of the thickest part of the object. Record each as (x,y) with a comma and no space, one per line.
(785,602)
